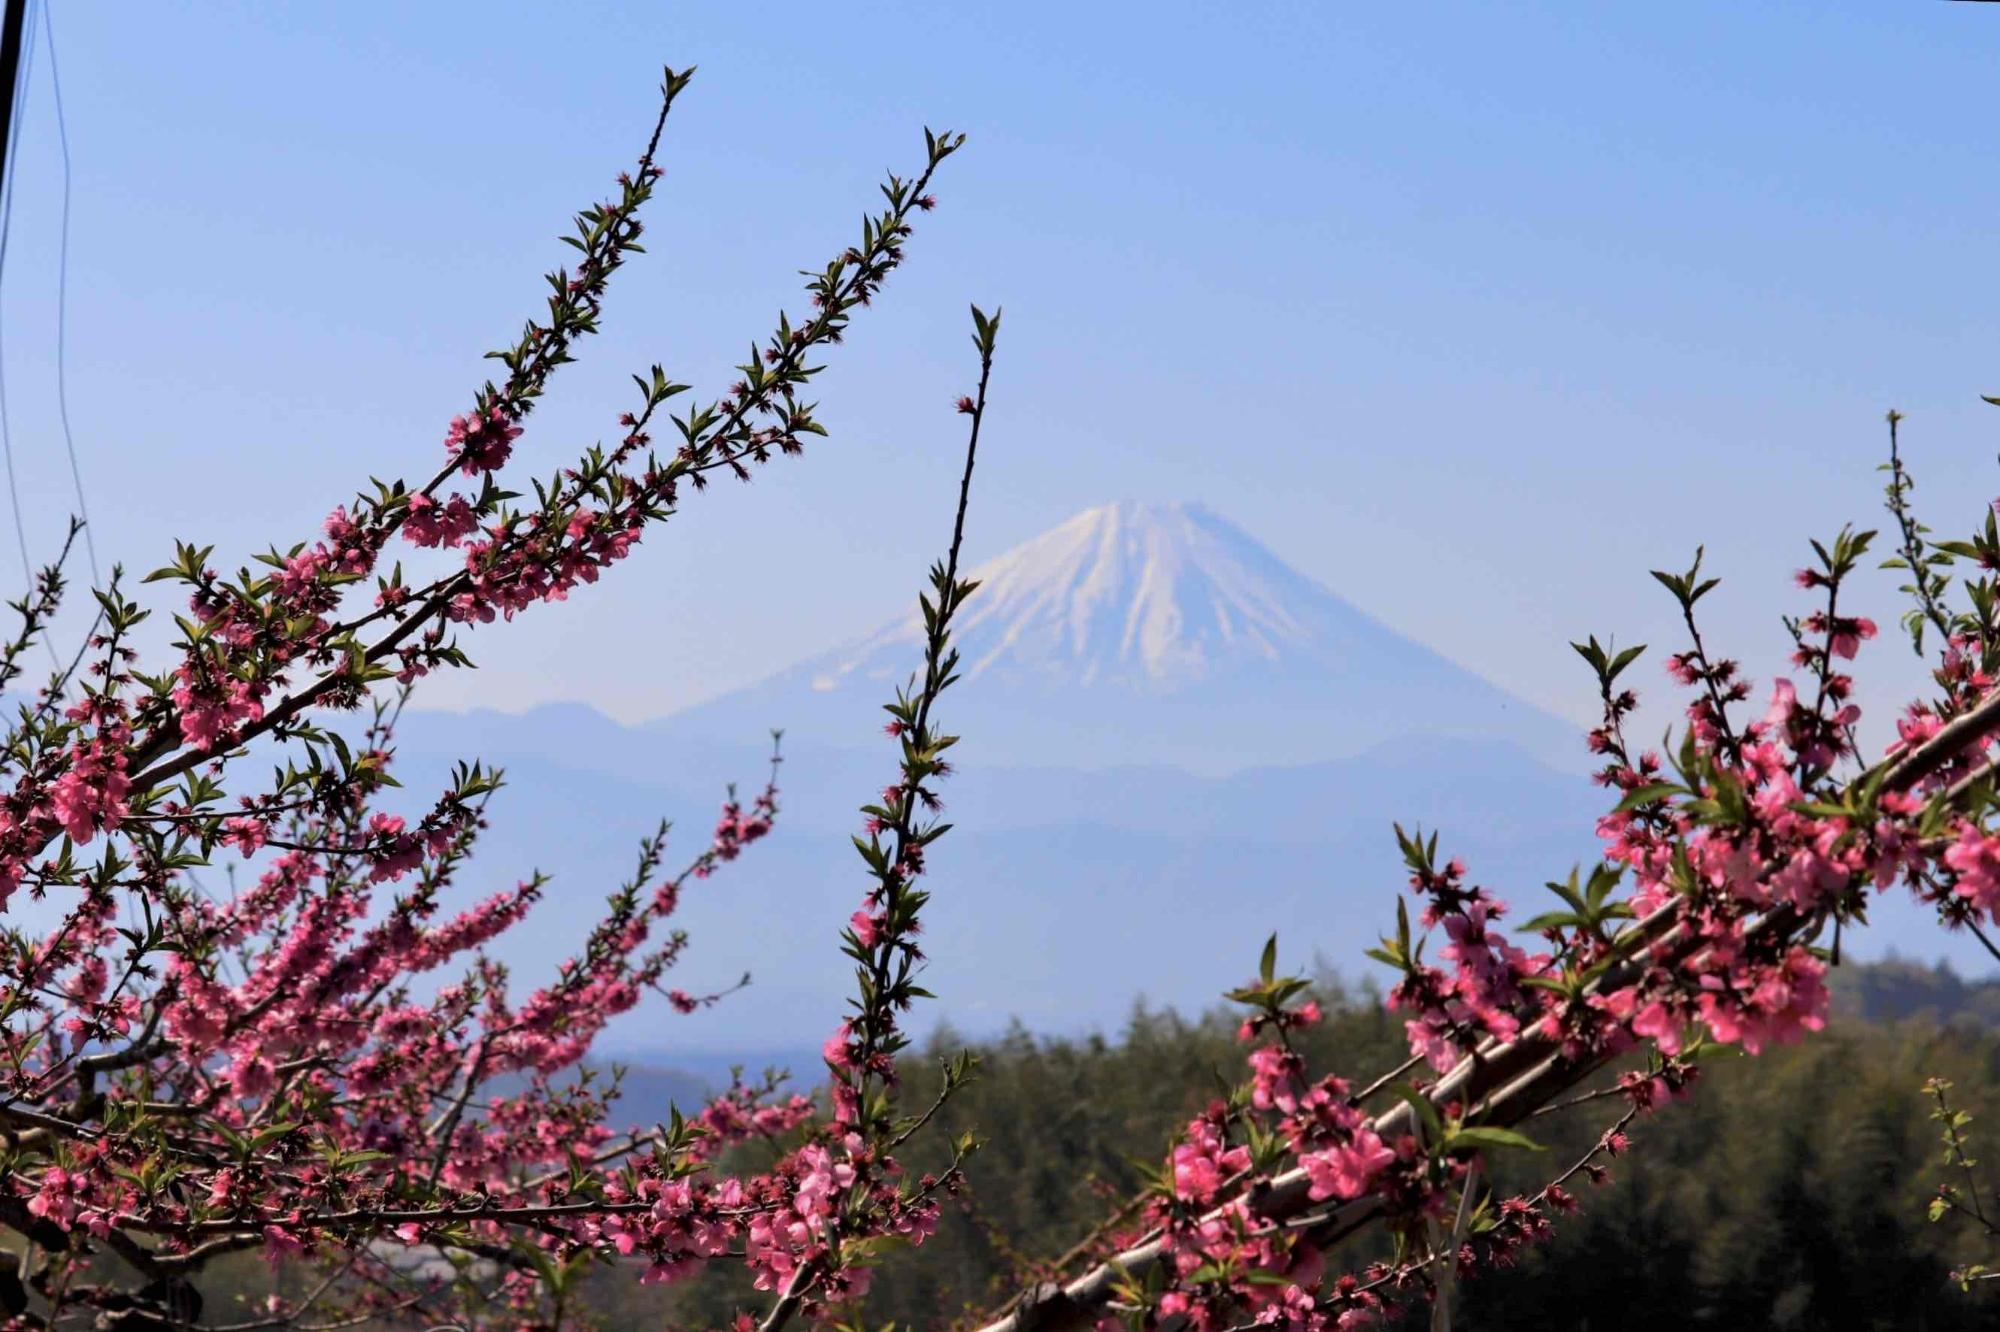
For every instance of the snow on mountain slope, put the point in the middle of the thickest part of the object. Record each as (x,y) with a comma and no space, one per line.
(1150,633)
(1145,596)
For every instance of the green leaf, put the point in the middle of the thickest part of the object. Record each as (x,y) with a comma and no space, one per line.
(1488,1135)
(1427,1114)
(1646,795)
(860,1251)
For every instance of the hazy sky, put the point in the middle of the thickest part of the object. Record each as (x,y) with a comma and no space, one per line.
(1473,312)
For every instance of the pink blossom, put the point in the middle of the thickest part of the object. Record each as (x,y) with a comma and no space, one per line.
(57,1199)
(1847,636)
(428,523)
(1204,1161)
(1349,1170)
(251,1076)
(1974,860)
(246,833)
(481,441)
(838,1050)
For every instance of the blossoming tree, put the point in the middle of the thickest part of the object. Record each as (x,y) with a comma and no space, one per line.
(327,1067)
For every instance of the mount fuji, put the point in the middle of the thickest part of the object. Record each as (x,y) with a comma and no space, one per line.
(1150,633)
(1174,744)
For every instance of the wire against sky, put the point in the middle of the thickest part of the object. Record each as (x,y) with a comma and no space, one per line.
(38,13)
(6,227)
(62,303)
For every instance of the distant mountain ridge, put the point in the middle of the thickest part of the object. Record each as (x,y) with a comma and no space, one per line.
(1150,633)
(1173,745)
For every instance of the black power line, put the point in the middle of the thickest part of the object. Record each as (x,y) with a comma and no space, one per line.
(11,30)
(13,83)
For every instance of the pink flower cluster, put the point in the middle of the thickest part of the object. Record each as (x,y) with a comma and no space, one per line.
(429,523)
(736,829)
(481,440)
(90,796)
(1484,995)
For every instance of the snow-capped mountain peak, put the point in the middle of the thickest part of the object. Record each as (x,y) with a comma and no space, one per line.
(1147,595)
(1148,633)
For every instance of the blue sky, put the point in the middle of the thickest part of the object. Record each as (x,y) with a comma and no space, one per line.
(1474,313)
